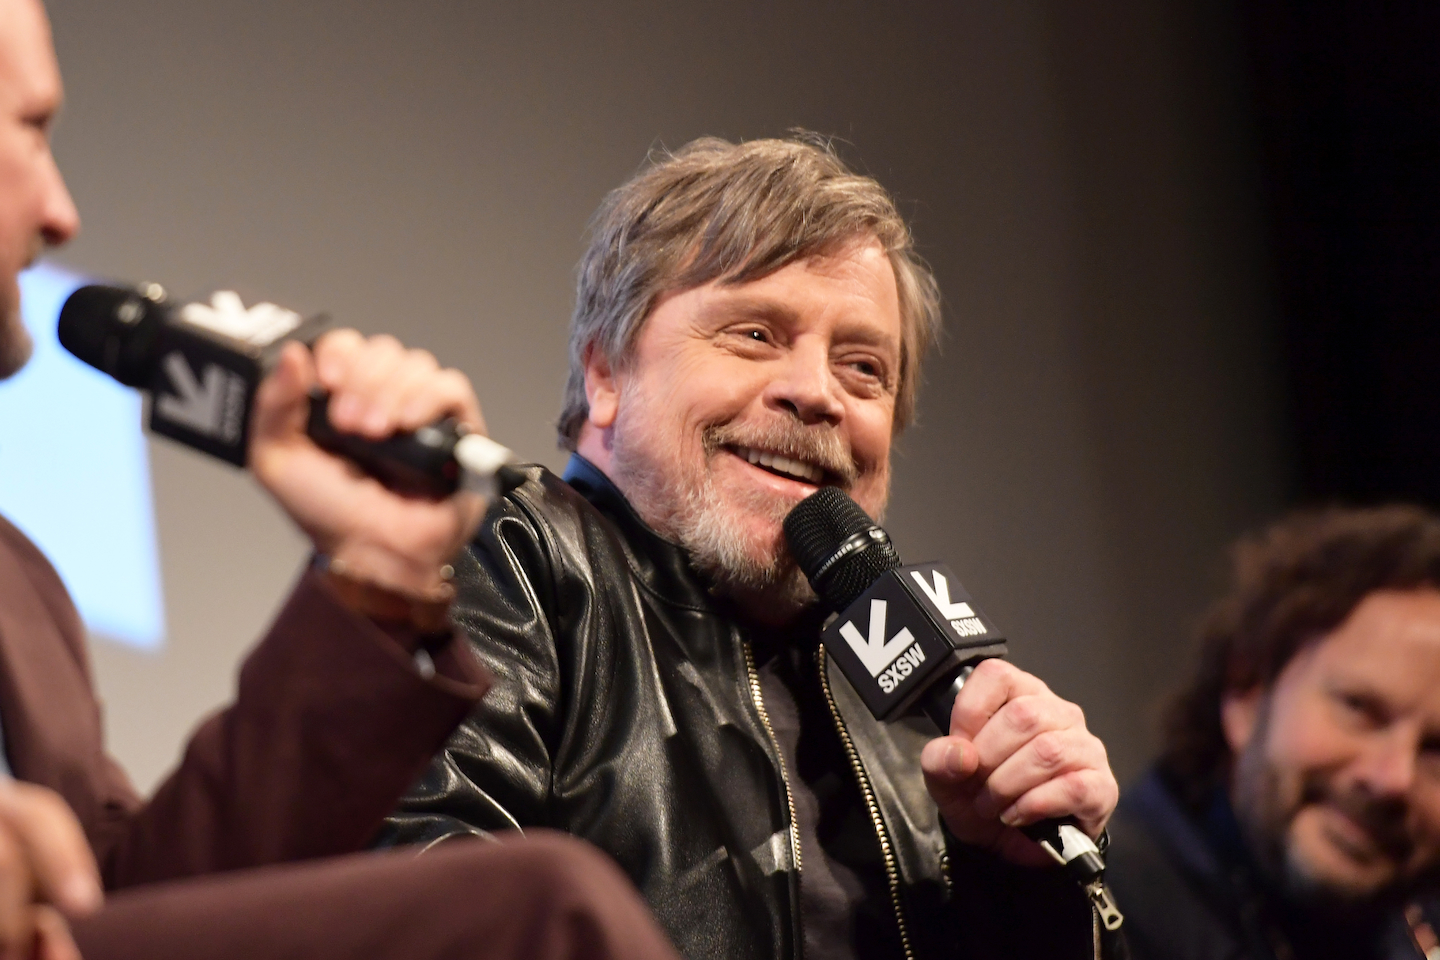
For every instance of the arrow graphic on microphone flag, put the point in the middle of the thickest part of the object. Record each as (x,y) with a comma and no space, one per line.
(939,595)
(193,405)
(876,652)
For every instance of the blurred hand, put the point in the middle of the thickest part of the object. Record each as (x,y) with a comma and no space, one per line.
(1016,754)
(377,387)
(47,873)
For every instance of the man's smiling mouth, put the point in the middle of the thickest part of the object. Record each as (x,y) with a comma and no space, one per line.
(787,467)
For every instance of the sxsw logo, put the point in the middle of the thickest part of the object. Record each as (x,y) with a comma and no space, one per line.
(212,405)
(891,661)
(962,617)
(908,624)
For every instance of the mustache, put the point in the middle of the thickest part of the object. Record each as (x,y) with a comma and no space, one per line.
(819,445)
(1382,818)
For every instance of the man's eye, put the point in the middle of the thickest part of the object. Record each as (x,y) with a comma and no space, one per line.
(867,369)
(759,336)
(1366,710)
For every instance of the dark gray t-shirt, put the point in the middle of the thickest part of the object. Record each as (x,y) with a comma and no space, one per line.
(844,892)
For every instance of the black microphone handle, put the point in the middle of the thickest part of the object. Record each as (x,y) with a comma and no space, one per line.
(418,464)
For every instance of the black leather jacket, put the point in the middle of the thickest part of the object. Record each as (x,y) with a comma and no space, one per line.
(626,710)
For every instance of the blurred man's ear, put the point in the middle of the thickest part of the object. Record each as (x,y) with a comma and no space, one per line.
(1239,715)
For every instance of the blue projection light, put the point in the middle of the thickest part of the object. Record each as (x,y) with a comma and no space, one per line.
(75,474)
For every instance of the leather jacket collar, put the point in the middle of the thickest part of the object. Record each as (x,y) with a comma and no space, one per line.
(660,564)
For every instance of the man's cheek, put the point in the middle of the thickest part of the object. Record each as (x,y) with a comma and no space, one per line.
(1302,741)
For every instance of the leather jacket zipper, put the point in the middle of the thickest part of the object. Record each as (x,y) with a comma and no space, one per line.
(759,701)
(892,869)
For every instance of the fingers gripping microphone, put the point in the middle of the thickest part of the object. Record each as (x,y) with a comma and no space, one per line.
(203,363)
(922,636)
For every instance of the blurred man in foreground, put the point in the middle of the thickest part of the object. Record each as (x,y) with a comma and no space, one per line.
(749,326)
(1295,812)
(334,715)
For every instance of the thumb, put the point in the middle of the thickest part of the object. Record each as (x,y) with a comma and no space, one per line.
(948,763)
(282,402)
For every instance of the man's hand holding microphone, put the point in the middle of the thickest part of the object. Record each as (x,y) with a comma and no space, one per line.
(377,388)
(1016,754)
(1015,770)
(392,543)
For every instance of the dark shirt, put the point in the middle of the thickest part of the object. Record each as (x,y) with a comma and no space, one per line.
(844,891)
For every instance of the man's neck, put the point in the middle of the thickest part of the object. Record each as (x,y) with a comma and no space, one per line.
(596,446)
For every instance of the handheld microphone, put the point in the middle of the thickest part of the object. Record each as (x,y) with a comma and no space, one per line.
(922,636)
(202,364)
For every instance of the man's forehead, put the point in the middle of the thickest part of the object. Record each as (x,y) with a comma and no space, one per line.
(29,75)
(1390,643)
(861,285)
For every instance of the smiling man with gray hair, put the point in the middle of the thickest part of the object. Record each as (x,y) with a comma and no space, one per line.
(749,324)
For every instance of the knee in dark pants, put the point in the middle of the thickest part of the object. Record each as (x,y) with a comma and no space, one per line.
(560,896)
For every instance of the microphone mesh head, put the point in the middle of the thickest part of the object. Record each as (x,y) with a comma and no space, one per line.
(817,530)
(106,328)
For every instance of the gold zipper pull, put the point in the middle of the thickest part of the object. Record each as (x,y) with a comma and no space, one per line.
(1099,895)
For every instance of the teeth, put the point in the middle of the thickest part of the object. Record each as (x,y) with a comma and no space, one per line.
(774,461)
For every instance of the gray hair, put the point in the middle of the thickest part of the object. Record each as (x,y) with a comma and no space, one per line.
(715,210)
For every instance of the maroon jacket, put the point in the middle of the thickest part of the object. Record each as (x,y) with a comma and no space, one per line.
(330,724)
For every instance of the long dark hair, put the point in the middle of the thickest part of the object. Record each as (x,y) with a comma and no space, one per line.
(1292,584)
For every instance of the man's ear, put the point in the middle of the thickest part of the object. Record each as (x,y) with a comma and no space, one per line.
(1239,715)
(602,391)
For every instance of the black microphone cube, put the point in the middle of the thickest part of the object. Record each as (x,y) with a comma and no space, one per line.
(203,382)
(913,625)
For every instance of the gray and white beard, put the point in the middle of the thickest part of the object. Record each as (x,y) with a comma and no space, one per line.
(720,551)
(688,510)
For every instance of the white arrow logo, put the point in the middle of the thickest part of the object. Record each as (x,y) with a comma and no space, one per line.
(876,653)
(192,405)
(226,314)
(939,595)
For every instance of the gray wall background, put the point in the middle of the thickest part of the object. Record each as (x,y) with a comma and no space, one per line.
(1102,419)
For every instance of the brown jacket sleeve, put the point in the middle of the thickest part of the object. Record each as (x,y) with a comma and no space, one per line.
(331,723)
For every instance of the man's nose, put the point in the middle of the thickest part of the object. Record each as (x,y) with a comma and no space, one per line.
(1387,764)
(60,220)
(805,386)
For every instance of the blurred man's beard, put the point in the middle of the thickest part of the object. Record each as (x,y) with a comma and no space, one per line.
(1266,816)
(15,343)
(690,510)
